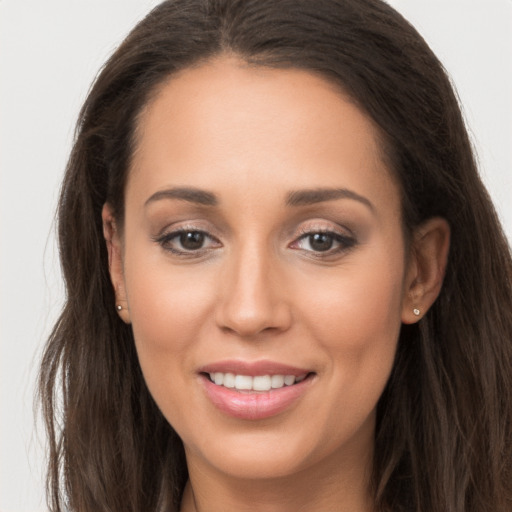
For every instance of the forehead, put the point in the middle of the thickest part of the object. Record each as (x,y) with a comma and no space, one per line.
(226,122)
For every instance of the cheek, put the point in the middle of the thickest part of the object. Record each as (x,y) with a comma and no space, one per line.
(358,304)
(169,312)
(169,307)
(355,325)
(355,318)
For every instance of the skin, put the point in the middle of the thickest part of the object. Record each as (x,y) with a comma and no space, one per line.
(259,288)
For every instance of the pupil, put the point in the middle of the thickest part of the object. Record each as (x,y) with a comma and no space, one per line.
(320,241)
(192,240)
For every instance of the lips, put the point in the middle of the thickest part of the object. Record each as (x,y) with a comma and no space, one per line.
(253,391)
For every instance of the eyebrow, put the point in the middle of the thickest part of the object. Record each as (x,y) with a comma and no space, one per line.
(189,194)
(304,197)
(320,195)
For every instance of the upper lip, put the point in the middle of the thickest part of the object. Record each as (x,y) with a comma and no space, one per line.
(253,368)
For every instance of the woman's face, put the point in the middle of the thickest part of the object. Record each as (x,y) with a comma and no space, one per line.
(262,249)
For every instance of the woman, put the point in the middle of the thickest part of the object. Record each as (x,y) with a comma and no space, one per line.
(287,286)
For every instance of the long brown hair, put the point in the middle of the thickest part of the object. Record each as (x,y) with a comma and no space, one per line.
(444,426)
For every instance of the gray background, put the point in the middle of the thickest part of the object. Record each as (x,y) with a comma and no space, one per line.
(49,53)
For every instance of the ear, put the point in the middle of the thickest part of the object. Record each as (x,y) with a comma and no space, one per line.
(115,261)
(426,268)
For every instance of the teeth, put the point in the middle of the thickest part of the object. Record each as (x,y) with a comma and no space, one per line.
(228,380)
(277,381)
(243,382)
(257,383)
(289,380)
(262,383)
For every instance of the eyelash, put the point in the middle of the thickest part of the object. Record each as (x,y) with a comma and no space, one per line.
(344,242)
(166,239)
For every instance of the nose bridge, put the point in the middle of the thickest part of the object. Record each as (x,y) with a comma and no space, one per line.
(252,299)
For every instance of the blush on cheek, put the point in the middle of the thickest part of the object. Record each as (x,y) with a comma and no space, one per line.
(158,334)
(167,305)
(359,314)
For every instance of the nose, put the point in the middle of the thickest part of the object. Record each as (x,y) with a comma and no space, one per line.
(253,298)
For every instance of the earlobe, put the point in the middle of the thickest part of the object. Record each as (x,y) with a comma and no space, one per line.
(426,268)
(115,262)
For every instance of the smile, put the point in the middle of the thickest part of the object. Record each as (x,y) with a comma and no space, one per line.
(254,383)
(255,390)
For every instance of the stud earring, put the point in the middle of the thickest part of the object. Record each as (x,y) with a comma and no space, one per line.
(119,307)
(416,311)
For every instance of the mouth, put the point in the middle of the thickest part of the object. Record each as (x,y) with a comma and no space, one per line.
(255,391)
(256,383)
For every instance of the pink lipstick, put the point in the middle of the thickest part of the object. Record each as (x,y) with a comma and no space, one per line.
(254,391)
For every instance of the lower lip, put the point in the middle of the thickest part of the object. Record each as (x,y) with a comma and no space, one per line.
(255,405)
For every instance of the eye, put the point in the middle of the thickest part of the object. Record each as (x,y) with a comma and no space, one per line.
(192,240)
(187,241)
(319,241)
(327,242)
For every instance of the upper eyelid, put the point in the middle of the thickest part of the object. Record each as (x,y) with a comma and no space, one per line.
(312,230)
(177,227)
(324,227)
